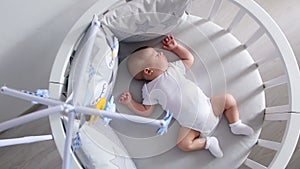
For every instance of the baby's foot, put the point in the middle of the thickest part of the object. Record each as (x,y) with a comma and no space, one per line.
(212,144)
(240,128)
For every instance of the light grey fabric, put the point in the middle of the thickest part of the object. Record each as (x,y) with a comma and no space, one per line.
(221,65)
(99,77)
(101,148)
(141,20)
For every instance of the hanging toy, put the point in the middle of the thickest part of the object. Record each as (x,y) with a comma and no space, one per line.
(39,92)
(77,142)
(99,106)
(110,107)
(167,119)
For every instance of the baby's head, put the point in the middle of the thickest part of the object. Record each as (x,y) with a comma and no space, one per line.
(146,63)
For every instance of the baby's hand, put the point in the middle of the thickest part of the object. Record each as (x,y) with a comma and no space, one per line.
(125,98)
(169,43)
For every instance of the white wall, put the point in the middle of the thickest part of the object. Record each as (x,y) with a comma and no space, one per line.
(30,35)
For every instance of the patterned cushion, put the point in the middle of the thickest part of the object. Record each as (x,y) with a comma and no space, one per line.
(141,20)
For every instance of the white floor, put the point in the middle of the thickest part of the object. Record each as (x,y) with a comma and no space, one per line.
(50,33)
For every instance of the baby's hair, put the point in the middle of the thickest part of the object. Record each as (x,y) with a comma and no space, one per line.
(140,48)
(137,60)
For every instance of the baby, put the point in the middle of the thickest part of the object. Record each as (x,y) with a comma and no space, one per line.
(166,84)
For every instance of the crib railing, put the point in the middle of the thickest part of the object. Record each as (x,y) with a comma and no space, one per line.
(289,112)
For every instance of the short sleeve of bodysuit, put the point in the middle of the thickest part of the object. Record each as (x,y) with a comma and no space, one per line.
(147,99)
(150,98)
(179,65)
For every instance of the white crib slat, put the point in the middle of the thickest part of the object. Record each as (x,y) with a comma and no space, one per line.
(30,117)
(29,97)
(278,109)
(215,8)
(269,144)
(253,164)
(281,43)
(121,116)
(68,142)
(289,142)
(238,17)
(275,82)
(257,34)
(264,60)
(24,140)
(277,117)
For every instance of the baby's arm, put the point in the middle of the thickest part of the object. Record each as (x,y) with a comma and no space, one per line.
(183,53)
(138,108)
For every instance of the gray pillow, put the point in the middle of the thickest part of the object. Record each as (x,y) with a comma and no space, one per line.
(99,76)
(141,20)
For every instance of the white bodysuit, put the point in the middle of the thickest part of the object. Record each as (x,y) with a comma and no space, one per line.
(182,97)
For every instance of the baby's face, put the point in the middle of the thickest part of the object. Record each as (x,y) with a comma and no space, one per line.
(157,58)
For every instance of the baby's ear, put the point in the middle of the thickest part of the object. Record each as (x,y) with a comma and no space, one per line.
(148,71)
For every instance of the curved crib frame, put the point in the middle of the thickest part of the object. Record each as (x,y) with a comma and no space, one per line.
(291,77)
(267,26)
(289,112)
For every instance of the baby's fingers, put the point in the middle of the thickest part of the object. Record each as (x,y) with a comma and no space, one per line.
(167,40)
(171,37)
(124,98)
(121,99)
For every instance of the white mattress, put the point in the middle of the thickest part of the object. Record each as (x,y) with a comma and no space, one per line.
(221,65)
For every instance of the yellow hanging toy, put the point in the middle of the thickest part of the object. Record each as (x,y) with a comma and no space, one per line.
(99,106)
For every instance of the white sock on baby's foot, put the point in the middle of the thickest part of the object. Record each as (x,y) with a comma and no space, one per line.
(240,128)
(212,144)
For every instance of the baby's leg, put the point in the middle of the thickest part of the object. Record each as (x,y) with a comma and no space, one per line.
(189,140)
(227,104)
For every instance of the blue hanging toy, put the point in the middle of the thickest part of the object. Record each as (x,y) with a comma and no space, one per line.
(167,118)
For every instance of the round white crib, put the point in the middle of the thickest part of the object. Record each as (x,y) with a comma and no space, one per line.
(250,27)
